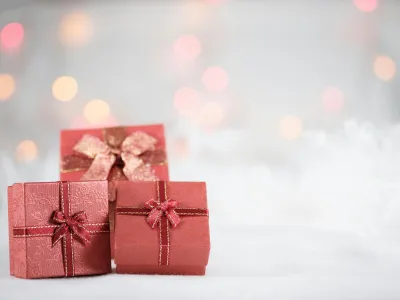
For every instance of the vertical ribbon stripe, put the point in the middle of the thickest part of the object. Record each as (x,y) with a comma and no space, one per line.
(67,239)
(165,213)
(164,225)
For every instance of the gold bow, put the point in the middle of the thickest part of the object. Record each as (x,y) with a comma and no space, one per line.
(118,157)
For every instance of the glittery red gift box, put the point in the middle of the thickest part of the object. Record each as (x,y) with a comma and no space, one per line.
(162,228)
(82,246)
(70,138)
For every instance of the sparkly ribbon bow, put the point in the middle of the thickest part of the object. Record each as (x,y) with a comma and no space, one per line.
(118,157)
(166,208)
(74,225)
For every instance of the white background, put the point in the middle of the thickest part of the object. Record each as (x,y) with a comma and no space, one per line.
(315,217)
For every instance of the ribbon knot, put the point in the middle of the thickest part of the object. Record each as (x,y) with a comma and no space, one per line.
(166,208)
(74,224)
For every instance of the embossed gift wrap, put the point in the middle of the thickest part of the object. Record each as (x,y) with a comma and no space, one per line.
(113,154)
(59,229)
(162,228)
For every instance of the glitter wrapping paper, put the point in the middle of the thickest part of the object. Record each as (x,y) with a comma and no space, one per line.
(32,205)
(70,138)
(138,245)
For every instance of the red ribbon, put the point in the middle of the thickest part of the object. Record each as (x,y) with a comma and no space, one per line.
(74,225)
(71,227)
(165,213)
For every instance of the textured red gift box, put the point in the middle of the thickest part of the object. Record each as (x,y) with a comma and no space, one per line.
(31,207)
(69,138)
(138,245)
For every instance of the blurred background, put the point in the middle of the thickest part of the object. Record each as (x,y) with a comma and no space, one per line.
(288,109)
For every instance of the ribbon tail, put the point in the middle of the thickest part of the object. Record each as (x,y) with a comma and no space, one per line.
(100,167)
(173,217)
(59,233)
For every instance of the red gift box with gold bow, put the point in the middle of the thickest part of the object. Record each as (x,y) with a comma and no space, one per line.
(59,229)
(114,154)
(162,228)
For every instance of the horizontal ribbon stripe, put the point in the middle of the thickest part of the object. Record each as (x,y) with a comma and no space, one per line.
(166,214)
(145,211)
(49,230)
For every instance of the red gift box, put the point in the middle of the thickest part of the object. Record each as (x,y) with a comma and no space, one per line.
(162,228)
(113,154)
(59,229)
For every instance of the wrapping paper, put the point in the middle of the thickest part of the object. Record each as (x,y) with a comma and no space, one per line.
(138,245)
(32,205)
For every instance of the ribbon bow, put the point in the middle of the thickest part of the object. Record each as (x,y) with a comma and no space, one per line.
(74,225)
(118,157)
(166,208)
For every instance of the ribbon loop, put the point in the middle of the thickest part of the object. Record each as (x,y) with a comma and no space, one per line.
(91,146)
(138,143)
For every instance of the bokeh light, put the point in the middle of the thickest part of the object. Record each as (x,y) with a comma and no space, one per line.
(11,36)
(384,68)
(211,114)
(26,151)
(332,99)
(187,47)
(180,147)
(96,111)
(366,5)
(65,88)
(291,127)
(215,79)
(7,86)
(186,100)
(76,29)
